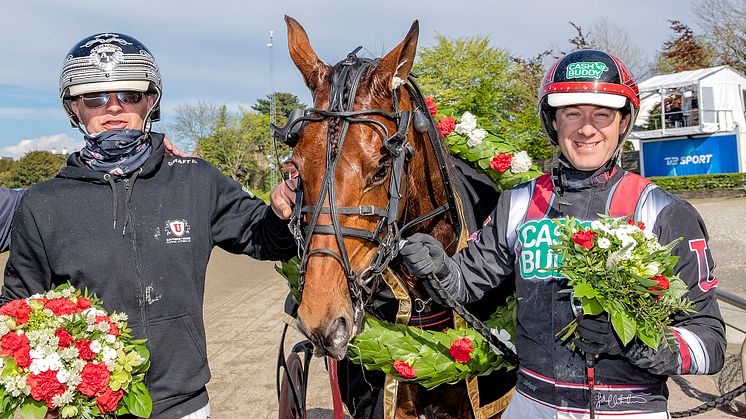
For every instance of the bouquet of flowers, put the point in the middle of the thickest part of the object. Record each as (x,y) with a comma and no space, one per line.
(61,351)
(617,266)
(482,149)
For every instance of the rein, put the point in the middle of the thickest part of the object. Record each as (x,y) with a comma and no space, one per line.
(389,229)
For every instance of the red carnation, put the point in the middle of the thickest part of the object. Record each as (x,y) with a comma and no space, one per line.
(501,162)
(641,225)
(83,303)
(446,125)
(663,284)
(405,370)
(108,400)
(631,221)
(113,329)
(431,106)
(16,346)
(61,306)
(584,239)
(65,338)
(94,379)
(461,350)
(44,386)
(18,309)
(84,349)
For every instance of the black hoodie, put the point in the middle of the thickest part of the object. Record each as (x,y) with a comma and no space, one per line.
(142,244)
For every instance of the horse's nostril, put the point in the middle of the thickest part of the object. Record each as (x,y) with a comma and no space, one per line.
(338,332)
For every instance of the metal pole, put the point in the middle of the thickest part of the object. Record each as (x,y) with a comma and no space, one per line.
(738,302)
(272,104)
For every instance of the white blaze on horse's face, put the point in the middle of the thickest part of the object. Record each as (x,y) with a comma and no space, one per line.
(327,314)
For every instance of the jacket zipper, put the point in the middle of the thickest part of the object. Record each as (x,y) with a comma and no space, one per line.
(138,272)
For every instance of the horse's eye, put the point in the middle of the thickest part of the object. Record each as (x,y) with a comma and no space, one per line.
(381,173)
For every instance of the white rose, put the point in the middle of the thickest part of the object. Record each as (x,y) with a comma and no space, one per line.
(476,137)
(521,162)
(604,243)
(467,124)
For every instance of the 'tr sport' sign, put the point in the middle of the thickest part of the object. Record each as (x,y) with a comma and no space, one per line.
(690,156)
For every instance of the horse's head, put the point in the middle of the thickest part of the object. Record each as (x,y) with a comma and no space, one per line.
(364,172)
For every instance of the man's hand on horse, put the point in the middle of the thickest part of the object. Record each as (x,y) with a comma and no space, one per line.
(282,198)
(172,150)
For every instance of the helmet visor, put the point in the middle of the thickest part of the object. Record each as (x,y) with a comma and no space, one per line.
(600,99)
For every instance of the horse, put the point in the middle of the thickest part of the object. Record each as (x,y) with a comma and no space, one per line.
(372,169)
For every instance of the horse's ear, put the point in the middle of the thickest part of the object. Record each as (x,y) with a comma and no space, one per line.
(394,68)
(314,70)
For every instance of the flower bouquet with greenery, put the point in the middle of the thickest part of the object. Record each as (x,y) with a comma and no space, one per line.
(617,266)
(482,149)
(426,357)
(62,352)
(431,358)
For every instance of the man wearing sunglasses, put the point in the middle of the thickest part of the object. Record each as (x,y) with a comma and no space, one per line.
(136,226)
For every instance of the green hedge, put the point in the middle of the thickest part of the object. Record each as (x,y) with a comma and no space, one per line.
(689,183)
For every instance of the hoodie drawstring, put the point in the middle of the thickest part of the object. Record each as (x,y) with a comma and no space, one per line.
(127,198)
(108,178)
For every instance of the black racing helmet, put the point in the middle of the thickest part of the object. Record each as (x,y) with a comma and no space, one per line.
(107,62)
(588,77)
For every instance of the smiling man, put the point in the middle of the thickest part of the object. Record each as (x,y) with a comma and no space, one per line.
(136,226)
(587,102)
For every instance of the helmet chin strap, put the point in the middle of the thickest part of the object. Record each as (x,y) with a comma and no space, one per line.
(147,125)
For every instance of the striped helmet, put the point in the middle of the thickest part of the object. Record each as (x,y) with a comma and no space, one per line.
(109,62)
(588,77)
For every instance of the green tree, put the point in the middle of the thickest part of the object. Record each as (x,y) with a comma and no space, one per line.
(684,52)
(34,167)
(467,74)
(284,103)
(239,147)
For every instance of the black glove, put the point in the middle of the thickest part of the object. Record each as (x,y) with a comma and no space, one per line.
(423,255)
(664,361)
(597,336)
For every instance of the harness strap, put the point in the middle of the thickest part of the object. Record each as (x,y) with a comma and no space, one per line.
(540,198)
(623,200)
(626,195)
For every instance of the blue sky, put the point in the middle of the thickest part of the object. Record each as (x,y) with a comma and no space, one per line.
(216,51)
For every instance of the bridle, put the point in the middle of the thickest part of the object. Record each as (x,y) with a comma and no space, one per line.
(345,78)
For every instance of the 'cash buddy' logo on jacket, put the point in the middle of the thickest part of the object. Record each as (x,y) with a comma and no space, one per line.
(536,257)
(177,231)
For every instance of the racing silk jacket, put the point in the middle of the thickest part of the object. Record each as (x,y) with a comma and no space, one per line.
(516,239)
(142,244)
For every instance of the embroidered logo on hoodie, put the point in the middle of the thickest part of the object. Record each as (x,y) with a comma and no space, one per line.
(177,231)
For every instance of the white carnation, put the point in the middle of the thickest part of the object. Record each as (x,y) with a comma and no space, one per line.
(118,317)
(521,162)
(63,375)
(109,353)
(467,123)
(476,136)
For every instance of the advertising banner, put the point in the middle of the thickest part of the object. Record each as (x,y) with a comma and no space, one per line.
(690,156)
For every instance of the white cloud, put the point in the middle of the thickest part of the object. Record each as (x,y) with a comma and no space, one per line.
(54,143)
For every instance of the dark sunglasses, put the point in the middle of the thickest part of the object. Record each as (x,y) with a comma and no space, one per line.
(99,99)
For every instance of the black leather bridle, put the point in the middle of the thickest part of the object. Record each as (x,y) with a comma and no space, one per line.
(345,78)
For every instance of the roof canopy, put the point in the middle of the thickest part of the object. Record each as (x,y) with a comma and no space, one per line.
(675,80)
